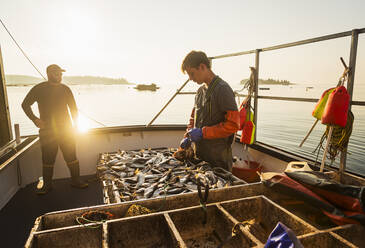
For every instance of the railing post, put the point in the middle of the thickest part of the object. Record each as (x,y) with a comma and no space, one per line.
(168,102)
(350,86)
(5,126)
(256,90)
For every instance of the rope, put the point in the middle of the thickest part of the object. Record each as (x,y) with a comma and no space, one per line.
(339,140)
(166,184)
(85,217)
(90,118)
(249,85)
(235,231)
(203,199)
(340,135)
(98,223)
(27,57)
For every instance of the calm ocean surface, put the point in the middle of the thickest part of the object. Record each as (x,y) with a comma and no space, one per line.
(280,123)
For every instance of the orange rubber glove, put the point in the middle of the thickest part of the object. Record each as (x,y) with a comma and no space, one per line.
(225,128)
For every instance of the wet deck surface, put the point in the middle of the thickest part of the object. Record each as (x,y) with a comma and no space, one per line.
(18,216)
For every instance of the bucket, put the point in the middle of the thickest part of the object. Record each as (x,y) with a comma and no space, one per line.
(248,174)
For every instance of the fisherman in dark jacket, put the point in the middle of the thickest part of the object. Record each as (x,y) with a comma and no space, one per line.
(55,126)
(215,117)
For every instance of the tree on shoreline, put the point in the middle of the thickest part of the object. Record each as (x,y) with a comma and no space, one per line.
(270,81)
(23,80)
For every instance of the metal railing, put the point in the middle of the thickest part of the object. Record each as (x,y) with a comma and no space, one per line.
(350,84)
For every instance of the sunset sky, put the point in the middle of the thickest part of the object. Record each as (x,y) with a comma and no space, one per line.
(145,41)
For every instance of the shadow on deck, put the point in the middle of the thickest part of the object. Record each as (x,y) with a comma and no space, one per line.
(18,216)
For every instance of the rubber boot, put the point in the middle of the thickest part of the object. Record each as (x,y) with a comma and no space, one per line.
(47,171)
(75,175)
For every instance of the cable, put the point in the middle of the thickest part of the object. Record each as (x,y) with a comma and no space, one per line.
(26,56)
(91,118)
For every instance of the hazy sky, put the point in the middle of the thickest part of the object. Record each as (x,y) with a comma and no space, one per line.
(145,41)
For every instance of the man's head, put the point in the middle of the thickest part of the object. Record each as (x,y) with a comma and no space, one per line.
(198,66)
(54,73)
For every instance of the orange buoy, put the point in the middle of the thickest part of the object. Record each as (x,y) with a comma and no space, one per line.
(335,112)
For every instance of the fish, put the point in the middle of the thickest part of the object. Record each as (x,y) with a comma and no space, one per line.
(166,176)
(122,174)
(155,171)
(140,161)
(153,176)
(149,191)
(140,191)
(122,167)
(174,179)
(222,173)
(145,185)
(131,180)
(175,191)
(185,179)
(220,183)
(140,179)
(112,162)
(158,192)
(152,173)
(136,165)
(211,177)
(119,184)
(191,186)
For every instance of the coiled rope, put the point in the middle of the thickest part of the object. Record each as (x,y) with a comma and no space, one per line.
(339,141)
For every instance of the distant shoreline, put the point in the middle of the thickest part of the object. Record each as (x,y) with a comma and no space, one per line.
(270,81)
(24,80)
(32,84)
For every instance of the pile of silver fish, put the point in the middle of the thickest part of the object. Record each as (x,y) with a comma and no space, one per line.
(155,172)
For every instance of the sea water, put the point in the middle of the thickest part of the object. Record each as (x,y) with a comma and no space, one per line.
(282,124)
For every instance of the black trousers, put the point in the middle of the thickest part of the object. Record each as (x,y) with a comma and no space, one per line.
(217,152)
(50,141)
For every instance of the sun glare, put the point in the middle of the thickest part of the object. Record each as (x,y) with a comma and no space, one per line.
(83,124)
(80,31)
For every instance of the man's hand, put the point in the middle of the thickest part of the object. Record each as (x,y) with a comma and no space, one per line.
(39,123)
(186,134)
(185,143)
(195,134)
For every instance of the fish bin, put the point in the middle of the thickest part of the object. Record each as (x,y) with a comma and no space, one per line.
(263,215)
(207,228)
(150,231)
(153,173)
(81,237)
(325,240)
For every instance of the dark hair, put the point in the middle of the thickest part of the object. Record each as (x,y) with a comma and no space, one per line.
(194,59)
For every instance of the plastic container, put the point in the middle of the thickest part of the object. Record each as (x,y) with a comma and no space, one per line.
(248,174)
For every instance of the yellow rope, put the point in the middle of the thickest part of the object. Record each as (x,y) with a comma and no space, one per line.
(339,140)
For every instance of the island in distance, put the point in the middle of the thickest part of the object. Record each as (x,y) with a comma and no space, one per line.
(152,87)
(23,80)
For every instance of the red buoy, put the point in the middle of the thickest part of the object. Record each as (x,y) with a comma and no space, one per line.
(243,116)
(243,113)
(248,132)
(335,112)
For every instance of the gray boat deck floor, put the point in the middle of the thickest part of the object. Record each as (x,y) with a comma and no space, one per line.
(18,216)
